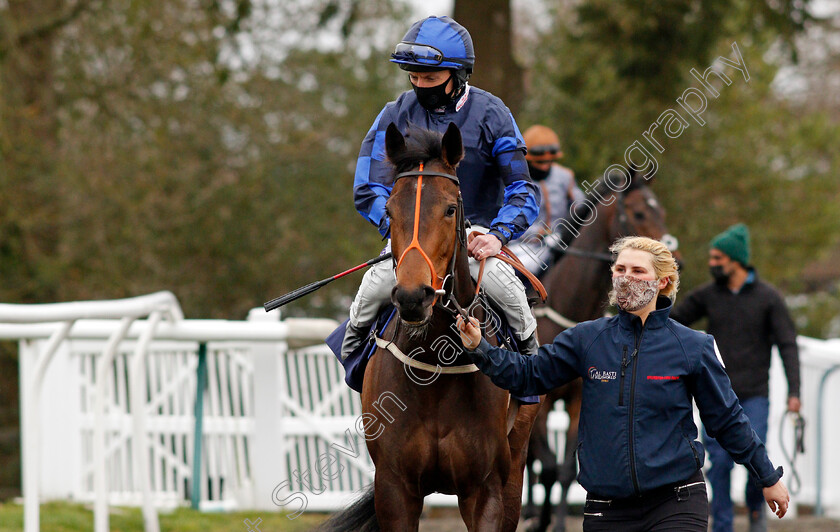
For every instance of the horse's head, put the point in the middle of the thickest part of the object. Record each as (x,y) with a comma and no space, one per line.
(638,212)
(426,216)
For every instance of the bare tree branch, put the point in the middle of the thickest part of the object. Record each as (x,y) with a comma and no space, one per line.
(50,26)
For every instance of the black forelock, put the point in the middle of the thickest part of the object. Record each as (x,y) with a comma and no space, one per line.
(637,180)
(421,145)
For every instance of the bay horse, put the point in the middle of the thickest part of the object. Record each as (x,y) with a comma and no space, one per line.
(577,286)
(452,433)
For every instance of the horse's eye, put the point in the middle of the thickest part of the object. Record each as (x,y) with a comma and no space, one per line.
(451,210)
(387,212)
(639,215)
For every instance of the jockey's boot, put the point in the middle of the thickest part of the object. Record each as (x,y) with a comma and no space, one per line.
(529,346)
(353,338)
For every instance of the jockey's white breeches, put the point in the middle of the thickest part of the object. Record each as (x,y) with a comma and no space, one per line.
(534,255)
(499,282)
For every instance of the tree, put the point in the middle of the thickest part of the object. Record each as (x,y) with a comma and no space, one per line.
(207,151)
(489,24)
(759,156)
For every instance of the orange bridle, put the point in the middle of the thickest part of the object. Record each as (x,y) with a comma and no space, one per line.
(437,281)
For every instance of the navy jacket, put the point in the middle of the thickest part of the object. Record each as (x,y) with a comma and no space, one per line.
(497,189)
(637,430)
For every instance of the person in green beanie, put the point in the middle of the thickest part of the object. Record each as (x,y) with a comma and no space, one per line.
(747,316)
(735,244)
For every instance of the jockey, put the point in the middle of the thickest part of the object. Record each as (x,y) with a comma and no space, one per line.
(559,191)
(500,200)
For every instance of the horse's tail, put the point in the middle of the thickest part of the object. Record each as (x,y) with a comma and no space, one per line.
(358,517)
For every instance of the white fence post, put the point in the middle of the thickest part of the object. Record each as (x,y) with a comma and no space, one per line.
(268,463)
(31,428)
(103,366)
(142,468)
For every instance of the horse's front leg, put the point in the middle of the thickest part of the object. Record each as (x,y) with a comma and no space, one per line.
(483,509)
(396,508)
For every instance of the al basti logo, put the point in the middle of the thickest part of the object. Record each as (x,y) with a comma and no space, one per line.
(603,376)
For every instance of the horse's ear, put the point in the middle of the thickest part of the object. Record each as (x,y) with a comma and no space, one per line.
(638,179)
(394,141)
(452,146)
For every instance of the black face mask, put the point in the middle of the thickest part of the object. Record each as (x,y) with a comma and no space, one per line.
(432,98)
(718,275)
(537,174)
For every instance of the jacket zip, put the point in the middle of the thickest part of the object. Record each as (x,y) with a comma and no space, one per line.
(635,358)
(624,363)
(693,450)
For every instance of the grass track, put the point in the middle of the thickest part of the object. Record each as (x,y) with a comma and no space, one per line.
(67,517)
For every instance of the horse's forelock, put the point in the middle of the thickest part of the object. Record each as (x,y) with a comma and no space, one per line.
(604,190)
(421,145)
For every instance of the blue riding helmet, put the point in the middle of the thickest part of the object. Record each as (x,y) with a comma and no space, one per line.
(436,43)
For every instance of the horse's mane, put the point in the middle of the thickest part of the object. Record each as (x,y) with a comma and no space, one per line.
(421,145)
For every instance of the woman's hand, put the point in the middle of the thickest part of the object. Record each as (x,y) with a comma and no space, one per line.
(470,332)
(484,246)
(777,498)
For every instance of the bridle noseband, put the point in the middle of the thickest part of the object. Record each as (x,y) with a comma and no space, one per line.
(624,229)
(442,285)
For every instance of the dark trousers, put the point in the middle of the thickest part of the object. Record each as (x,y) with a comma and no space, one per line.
(679,508)
(756,409)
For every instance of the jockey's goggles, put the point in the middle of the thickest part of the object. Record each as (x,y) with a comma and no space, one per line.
(422,54)
(539,151)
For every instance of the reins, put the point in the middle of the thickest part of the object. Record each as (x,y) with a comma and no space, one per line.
(445,286)
(439,283)
(624,229)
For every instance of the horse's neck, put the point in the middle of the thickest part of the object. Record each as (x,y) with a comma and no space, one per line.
(578,285)
(595,237)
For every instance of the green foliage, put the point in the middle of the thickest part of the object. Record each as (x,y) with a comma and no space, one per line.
(196,151)
(148,146)
(607,70)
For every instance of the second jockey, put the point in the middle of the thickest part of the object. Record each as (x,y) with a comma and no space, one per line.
(559,192)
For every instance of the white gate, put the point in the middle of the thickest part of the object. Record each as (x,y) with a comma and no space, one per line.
(84,365)
(279,428)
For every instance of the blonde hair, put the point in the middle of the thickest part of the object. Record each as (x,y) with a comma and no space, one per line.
(664,264)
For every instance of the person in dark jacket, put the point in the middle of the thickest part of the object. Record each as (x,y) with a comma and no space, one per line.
(500,199)
(746,316)
(638,449)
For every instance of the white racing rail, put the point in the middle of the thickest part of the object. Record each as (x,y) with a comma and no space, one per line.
(236,414)
(44,329)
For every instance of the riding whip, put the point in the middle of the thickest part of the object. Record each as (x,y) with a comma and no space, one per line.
(311,287)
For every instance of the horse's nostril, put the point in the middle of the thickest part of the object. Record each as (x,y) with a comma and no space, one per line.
(412,302)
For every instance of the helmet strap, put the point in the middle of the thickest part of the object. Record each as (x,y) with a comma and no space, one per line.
(459,82)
